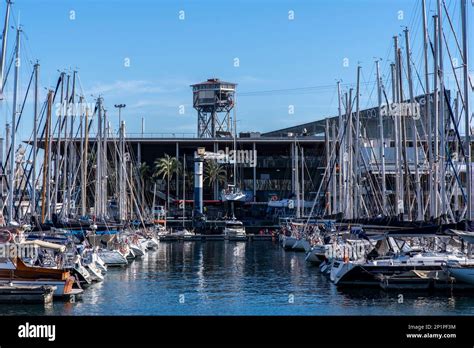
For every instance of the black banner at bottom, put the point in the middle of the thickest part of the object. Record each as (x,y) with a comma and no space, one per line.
(140,330)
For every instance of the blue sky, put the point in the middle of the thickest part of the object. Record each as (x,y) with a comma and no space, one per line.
(167,54)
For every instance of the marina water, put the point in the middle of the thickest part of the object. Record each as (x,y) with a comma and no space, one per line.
(237,278)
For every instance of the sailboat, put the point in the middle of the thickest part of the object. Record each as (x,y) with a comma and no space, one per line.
(234,229)
(183,232)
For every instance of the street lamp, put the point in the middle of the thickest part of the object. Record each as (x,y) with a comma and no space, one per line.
(120,107)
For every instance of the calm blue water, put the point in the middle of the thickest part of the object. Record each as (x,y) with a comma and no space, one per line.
(229,278)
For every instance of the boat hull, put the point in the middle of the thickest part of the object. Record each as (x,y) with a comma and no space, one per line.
(351,274)
(301,245)
(463,274)
(288,242)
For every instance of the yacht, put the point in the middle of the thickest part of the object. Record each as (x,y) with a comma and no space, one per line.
(362,272)
(235,230)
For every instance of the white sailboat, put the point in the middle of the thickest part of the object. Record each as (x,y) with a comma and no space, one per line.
(235,230)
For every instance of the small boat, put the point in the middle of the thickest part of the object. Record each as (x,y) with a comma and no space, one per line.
(113,258)
(232,194)
(15,272)
(234,230)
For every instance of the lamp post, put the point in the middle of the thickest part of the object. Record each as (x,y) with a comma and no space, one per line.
(120,107)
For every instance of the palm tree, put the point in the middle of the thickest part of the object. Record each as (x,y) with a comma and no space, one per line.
(166,167)
(214,173)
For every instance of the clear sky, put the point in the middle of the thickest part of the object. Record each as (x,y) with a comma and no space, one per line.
(279,44)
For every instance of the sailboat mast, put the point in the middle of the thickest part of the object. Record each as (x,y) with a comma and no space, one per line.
(184,188)
(98,169)
(334,173)
(330,178)
(382,138)
(302,181)
(345,159)
(467,116)
(35,142)
(104,164)
(85,161)
(235,140)
(72,145)
(428,110)
(398,201)
(436,117)
(442,117)
(297,179)
(66,150)
(45,208)
(357,149)
(49,152)
(350,171)
(4,47)
(59,157)
(121,173)
(11,179)
(419,205)
(341,146)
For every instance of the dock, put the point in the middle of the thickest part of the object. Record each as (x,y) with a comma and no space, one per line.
(26,294)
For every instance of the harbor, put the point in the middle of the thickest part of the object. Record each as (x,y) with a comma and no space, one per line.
(199,279)
(366,209)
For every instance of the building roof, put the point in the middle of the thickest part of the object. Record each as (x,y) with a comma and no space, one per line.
(213,81)
(310,128)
